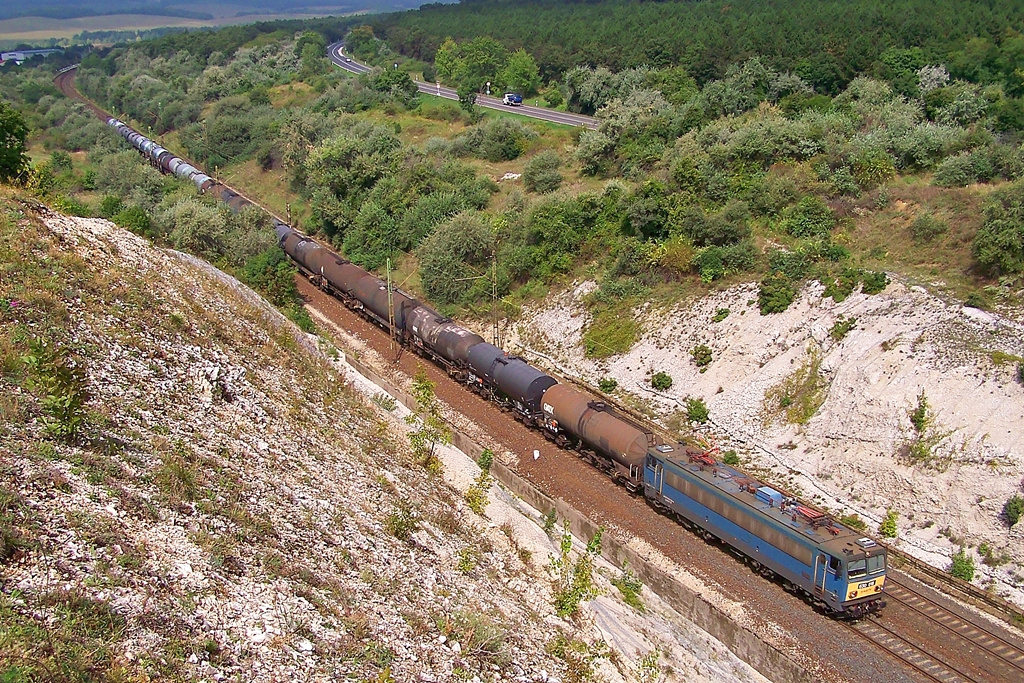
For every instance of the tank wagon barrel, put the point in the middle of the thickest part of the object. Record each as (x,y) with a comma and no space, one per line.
(604,437)
(781,538)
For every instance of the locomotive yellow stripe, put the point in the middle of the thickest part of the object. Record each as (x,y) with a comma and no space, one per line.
(865,588)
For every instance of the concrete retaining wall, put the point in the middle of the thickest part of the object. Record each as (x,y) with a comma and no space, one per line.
(766,658)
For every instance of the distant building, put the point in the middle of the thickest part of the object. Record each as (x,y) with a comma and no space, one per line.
(19,56)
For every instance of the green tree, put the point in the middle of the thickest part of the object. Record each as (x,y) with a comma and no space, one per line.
(574,581)
(361,42)
(467,98)
(431,430)
(482,59)
(458,249)
(13,131)
(520,73)
(448,60)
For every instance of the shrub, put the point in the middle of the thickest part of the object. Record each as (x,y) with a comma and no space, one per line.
(963,565)
(402,522)
(541,172)
(553,97)
(775,294)
(607,384)
(888,526)
(476,494)
(853,521)
(486,459)
(920,416)
(731,458)
(61,383)
(999,244)
(1013,509)
(926,228)
(110,206)
(701,356)
(811,217)
(630,587)
(976,300)
(134,218)
(720,315)
(963,169)
(574,581)
(874,282)
(661,381)
(697,411)
(842,327)
(1020,372)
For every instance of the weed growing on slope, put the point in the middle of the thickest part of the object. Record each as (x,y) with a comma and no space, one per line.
(798,396)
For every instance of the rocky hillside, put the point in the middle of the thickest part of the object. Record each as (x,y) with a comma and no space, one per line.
(820,399)
(193,489)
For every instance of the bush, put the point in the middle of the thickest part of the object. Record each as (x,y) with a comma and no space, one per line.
(402,522)
(963,565)
(541,172)
(697,411)
(920,416)
(720,315)
(999,244)
(811,217)
(888,526)
(1013,509)
(775,294)
(60,381)
(553,97)
(874,282)
(853,521)
(110,206)
(458,248)
(926,228)
(730,458)
(630,587)
(842,327)
(701,356)
(963,169)
(661,381)
(607,384)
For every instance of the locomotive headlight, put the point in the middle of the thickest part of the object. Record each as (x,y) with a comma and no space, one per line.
(853,594)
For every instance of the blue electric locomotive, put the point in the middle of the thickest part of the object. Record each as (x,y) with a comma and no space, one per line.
(838,568)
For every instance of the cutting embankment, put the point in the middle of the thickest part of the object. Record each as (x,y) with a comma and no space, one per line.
(901,401)
(192,488)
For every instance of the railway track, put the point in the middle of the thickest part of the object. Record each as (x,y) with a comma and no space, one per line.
(969,651)
(996,655)
(908,653)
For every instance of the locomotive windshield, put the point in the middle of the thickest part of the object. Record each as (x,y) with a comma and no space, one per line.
(863,566)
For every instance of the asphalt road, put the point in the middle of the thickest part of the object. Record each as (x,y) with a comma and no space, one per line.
(336,53)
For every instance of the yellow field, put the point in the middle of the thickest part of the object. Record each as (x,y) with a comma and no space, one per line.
(36,29)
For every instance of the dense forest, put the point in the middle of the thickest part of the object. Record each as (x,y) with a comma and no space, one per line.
(746,168)
(825,42)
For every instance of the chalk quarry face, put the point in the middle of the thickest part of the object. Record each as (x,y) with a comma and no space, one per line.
(853,454)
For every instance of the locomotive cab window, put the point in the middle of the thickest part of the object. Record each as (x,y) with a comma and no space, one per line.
(876,564)
(835,566)
(858,568)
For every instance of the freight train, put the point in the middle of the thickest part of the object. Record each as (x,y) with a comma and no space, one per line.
(840,570)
